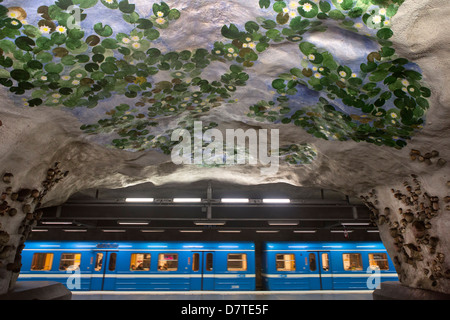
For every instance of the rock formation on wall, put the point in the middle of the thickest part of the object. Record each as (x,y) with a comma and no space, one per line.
(356,88)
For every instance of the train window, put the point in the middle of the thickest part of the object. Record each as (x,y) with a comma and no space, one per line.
(285,262)
(209,262)
(352,262)
(168,262)
(70,261)
(140,262)
(378,261)
(325,262)
(196,262)
(112,261)
(42,262)
(237,262)
(312,262)
(98,262)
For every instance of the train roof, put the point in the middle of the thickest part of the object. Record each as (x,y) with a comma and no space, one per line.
(323,246)
(141,245)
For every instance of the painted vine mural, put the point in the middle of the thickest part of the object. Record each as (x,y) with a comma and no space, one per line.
(56,63)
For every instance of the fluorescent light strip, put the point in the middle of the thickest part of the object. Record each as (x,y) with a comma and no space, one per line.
(113,230)
(276,201)
(191,231)
(39,230)
(75,230)
(152,231)
(133,223)
(341,231)
(209,223)
(187,200)
(56,222)
(281,223)
(355,223)
(304,231)
(142,200)
(229,231)
(234,200)
(267,231)
(373,231)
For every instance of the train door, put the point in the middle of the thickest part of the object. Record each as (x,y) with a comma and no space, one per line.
(326,276)
(202,271)
(320,269)
(103,274)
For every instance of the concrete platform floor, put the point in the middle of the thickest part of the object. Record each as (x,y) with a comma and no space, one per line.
(215,295)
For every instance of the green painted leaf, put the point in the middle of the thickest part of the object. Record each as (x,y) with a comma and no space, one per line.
(104,31)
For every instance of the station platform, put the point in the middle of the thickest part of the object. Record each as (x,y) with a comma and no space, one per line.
(217,295)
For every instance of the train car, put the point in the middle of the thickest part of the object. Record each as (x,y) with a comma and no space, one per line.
(141,266)
(325,266)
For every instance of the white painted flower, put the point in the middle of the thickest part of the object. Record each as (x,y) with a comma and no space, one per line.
(311,57)
(359,25)
(136,45)
(292,14)
(61,29)
(245,45)
(218,51)
(342,73)
(387,22)
(65,78)
(160,21)
(307,7)
(318,75)
(135,38)
(44,78)
(285,10)
(75,82)
(376,19)
(230,50)
(405,82)
(252,45)
(55,100)
(79,75)
(14,23)
(340,1)
(109,1)
(23,22)
(56,95)
(383,11)
(44,29)
(314,68)
(126,40)
(13,14)
(354,75)
(293,4)
(321,69)
(393,115)
(160,14)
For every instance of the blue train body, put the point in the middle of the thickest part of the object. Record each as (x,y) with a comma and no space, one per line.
(209,266)
(325,266)
(141,266)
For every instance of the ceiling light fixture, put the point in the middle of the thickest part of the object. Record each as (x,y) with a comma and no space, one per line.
(267,231)
(209,223)
(305,231)
(229,231)
(276,201)
(56,222)
(283,223)
(132,223)
(75,230)
(113,230)
(191,231)
(234,200)
(141,200)
(152,231)
(187,200)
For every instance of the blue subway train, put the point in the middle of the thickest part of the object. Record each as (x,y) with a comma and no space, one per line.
(325,266)
(208,266)
(141,266)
